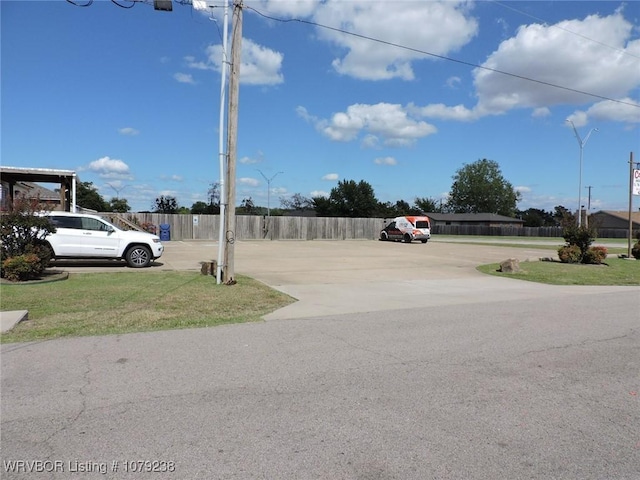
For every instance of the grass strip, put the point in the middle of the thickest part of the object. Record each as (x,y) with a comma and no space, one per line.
(124,302)
(616,271)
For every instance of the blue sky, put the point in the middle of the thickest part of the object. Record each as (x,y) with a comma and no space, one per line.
(130,98)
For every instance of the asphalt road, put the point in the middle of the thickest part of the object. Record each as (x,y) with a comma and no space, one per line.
(483,380)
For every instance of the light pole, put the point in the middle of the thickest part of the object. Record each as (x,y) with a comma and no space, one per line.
(117,190)
(268,180)
(581,143)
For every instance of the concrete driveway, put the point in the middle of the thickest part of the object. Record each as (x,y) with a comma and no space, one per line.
(356,276)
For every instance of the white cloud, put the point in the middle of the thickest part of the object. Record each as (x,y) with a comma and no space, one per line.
(608,110)
(107,167)
(249,182)
(184,78)
(128,131)
(453,82)
(319,193)
(385,161)
(582,61)
(249,160)
(541,112)
(259,65)
(443,112)
(522,189)
(439,27)
(579,119)
(297,8)
(553,55)
(168,193)
(392,123)
(331,176)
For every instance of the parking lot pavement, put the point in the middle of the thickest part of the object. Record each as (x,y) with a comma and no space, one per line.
(352,276)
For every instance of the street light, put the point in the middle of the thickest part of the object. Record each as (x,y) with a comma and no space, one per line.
(117,190)
(268,180)
(581,143)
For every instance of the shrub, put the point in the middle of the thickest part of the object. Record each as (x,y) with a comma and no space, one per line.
(581,236)
(635,251)
(22,267)
(570,254)
(22,232)
(595,255)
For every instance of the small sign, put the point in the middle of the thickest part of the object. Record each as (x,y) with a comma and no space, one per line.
(636,182)
(195,221)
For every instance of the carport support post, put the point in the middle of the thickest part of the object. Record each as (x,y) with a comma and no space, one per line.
(232,141)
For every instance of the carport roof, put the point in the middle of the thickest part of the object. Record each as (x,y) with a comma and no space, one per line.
(42,175)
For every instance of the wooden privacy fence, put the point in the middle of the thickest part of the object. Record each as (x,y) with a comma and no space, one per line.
(256,227)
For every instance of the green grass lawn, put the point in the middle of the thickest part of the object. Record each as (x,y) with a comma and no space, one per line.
(616,271)
(109,303)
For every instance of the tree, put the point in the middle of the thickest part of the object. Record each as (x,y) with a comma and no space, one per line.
(480,188)
(296,202)
(534,217)
(349,199)
(563,216)
(199,208)
(214,199)
(247,207)
(87,196)
(401,207)
(165,204)
(119,205)
(213,194)
(322,206)
(424,205)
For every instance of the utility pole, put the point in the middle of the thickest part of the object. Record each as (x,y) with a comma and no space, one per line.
(589,187)
(222,160)
(232,142)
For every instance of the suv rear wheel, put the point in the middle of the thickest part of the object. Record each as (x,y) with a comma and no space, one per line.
(138,256)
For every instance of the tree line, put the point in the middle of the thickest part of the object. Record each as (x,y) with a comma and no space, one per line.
(478,187)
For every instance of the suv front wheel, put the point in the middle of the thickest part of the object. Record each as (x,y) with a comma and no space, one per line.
(138,256)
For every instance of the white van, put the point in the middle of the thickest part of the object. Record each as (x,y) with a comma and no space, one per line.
(407,229)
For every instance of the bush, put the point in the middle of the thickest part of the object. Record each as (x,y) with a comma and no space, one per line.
(635,251)
(22,232)
(570,254)
(22,267)
(581,236)
(595,255)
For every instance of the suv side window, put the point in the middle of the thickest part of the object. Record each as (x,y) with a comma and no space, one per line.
(66,222)
(94,224)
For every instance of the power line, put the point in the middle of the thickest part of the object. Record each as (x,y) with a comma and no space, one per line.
(443,57)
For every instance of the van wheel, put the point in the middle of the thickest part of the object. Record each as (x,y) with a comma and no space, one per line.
(138,256)
(423,241)
(407,238)
(384,237)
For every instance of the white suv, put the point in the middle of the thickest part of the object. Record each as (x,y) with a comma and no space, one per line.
(80,235)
